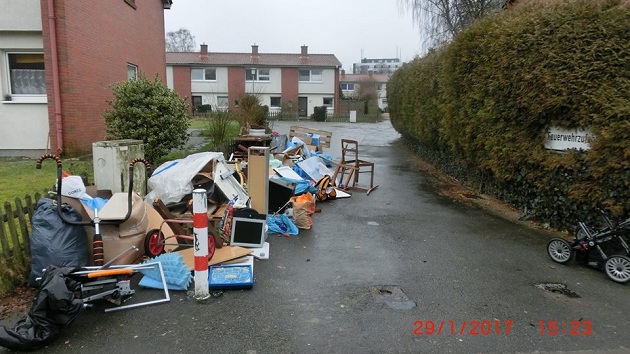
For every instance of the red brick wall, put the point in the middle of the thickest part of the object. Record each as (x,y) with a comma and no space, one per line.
(236,84)
(95,40)
(290,85)
(181,83)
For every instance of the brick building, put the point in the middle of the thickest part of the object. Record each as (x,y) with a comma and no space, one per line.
(58,59)
(302,79)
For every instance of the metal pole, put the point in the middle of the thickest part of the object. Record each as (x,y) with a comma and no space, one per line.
(200,231)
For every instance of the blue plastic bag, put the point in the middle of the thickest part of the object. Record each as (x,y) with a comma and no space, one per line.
(281,224)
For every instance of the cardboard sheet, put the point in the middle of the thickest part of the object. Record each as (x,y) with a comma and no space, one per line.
(221,255)
(287,172)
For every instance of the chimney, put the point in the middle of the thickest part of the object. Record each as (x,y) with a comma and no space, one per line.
(204,49)
(254,49)
(304,52)
(343,73)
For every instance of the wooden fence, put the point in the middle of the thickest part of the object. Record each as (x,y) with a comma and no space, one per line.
(15,223)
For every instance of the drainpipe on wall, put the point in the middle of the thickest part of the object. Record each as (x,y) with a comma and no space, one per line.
(52,32)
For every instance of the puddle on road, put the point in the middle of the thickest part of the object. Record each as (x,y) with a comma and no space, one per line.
(557,288)
(392,296)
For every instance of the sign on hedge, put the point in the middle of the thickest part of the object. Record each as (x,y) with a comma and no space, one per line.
(564,139)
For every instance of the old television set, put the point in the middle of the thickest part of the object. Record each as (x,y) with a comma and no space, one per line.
(249,229)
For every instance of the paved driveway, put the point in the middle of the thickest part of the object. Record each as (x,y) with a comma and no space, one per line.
(402,270)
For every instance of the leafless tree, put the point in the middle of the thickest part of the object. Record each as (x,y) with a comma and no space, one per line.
(180,41)
(440,20)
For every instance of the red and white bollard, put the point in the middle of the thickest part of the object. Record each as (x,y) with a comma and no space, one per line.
(200,231)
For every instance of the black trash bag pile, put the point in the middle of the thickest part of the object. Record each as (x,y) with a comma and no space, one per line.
(54,307)
(53,241)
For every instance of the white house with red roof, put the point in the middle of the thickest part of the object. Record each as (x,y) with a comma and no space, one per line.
(303,80)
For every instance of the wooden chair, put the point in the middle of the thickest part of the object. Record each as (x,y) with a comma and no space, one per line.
(350,156)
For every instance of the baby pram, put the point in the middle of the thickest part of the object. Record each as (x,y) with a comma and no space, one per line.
(604,248)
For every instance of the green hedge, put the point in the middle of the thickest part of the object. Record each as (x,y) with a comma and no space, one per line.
(481,107)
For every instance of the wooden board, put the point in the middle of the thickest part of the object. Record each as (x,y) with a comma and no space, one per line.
(258,178)
(221,255)
(325,137)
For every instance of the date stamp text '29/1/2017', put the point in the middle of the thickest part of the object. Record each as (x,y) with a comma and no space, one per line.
(497,327)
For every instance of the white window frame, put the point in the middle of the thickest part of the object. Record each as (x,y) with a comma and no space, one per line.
(222,102)
(314,75)
(332,101)
(132,71)
(271,99)
(204,74)
(347,85)
(263,75)
(23,97)
(257,75)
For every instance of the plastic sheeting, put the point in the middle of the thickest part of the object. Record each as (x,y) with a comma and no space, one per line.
(281,224)
(54,308)
(173,179)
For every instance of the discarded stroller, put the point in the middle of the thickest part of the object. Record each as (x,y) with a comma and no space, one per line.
(603,249)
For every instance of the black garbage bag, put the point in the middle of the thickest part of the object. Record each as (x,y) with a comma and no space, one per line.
(52,241)
(54,307)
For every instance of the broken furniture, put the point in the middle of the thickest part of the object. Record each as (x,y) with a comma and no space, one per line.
(350,156)
(306,135)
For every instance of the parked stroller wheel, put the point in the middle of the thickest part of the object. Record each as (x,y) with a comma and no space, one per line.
(618,268)
(560,250)
(154,243)
(211,246)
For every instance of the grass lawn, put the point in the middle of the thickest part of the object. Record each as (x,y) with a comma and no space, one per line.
(20,177)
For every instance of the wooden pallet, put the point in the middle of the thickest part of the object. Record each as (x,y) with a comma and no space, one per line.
(325,137)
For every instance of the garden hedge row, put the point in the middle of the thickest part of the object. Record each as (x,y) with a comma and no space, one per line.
(481,107)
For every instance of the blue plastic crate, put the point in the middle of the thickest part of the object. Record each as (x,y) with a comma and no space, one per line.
(238,276)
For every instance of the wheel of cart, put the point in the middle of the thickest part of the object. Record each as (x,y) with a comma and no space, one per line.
(155,242)
(560,250)
(617,268)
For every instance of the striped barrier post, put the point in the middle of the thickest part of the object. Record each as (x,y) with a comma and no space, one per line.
(200,231)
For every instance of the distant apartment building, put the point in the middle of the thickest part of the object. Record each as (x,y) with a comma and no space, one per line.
(57,60)
(303,80)
(376,66)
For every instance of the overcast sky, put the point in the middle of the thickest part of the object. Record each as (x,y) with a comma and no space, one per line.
(349,29)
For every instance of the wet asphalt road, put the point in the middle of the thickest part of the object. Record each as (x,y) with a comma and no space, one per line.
(319,292)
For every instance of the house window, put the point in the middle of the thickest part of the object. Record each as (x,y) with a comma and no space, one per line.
(222,101)
(27,74)
(347,87)
(196,102)
(263,74)
(257,74)
(276,102)
(310,75)
(328,101)
(132,72)
(203,74)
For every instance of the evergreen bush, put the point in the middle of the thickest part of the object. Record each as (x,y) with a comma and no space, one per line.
(483,105)
(319,114)
(146,110)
